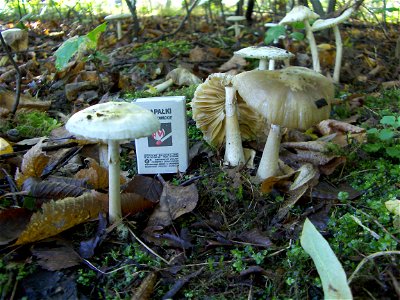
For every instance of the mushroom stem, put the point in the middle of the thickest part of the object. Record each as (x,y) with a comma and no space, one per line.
(114,202)
(103,155)
(313,47)
(119,30)
(262,65)
(271,65)
(339,53)
(234,155)
(163,86)
(269,160)
(237,29)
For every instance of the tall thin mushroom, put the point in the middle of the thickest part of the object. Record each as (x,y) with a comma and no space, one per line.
(334,24)
(113,123)
(303,14)
(294,97)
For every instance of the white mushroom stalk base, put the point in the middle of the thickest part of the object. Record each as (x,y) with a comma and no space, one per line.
(114,196)
(269,160)
(163,86)
(313,47)
(234,155)
(339,53)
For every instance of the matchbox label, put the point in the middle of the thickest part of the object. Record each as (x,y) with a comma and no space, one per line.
(162,137)
(166,150)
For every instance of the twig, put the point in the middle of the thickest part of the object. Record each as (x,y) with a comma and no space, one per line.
(18,77)
(368,258)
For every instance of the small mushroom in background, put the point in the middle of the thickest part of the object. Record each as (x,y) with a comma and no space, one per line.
(222,115)
(179,76)
(265,54)
(16,39)
(303,14)
(334,24)
(270,25)
(236,26)
(113,123)
(118,19)
(294,97)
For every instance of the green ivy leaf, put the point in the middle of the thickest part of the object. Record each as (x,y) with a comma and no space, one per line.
(388,120)
(298,36)
(274,33)
(393,151)
(372,147)
(386,134)
(331,272)
(67,50)
(93,36)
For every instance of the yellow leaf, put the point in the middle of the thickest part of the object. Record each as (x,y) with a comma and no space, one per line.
(5,147)
(96,175)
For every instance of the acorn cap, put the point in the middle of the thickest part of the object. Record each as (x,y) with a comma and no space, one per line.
(117,17)
(294,97)
(328,23)
(267,52)
(235,18)
(208,106)
(121,121)
(299,13)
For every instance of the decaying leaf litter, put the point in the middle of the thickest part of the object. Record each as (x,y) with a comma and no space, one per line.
(178,230)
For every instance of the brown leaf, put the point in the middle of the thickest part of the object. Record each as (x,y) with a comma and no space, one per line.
(147,187)
(333,126)
(33,163)
(58,257)
(200,54)
(146,288)
(12,222)
(174,202)
(57,216)
(47,190)
(293,197)
(235,62)
(256,237)
(96,175)
(7,99)
(132,203)
(305,174)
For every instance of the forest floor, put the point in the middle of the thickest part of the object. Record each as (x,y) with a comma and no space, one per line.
(224,236)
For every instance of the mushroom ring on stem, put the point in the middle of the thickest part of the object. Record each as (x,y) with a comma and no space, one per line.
(294,97)
(303,14)
(222,116)
(113,123)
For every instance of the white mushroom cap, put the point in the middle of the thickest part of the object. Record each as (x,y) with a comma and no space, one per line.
(182,76)
(267,52)
(294,97)
(298,14)
(118,121)
(117,17)
(235,18)
(16,38)
(328,23)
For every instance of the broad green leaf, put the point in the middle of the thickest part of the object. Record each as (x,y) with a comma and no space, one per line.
(372,131)
(393,151)
(274,33)
(372,147)
(297,25)
(386,134)
(67,50)
(331,272)
(393,206)
(388,120)
(94,35)
(298,36)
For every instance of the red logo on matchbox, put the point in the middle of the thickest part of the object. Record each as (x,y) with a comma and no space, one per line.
(162,137)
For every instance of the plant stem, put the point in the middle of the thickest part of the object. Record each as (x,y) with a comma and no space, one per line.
(339,53)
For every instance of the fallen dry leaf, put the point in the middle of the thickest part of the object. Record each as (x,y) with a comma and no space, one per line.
(96,176)
(306,173)
(174,202)
(235,62)
(146,288)
(12,222)
(33,163)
